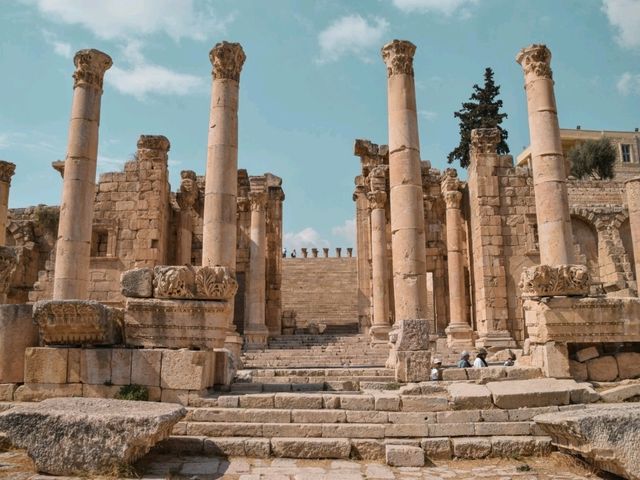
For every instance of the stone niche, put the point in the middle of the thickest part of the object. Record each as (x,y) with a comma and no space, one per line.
(178,306)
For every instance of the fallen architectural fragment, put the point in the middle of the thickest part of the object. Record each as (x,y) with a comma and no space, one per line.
(77,436)
(607,436)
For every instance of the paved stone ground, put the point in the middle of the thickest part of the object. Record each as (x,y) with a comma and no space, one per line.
(15,465)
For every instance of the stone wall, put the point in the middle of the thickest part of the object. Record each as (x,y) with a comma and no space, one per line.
(321,290)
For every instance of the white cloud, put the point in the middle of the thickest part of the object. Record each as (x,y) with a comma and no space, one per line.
(351,35)
(629,84)
(4,140)
(428,115)
(60,48)
(347,231)
(117,19)
(624,15)
(443,7)
(307,237)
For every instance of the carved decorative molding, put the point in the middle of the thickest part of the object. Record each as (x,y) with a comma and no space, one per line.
(200,283)
(78,322)
(452,198)
(398,56)
(536,59)
(8,264)
(244,205)
(188,193)
(549,281)
(485,140)
(258,201)
(7,169)
(154,142)
(449,181)
(377,199)
(90,65)
(227,60)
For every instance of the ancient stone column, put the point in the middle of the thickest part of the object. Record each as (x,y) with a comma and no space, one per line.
(459,333)
(549,174)
(411,356)
(7,170)
(221,180)
(379,331)
(186,198)
(255,331)
(73,248)
(632,187)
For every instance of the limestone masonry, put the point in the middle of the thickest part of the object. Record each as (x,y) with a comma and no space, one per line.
(132,289)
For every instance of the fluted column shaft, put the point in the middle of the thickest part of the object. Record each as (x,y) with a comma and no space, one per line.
(256,331)
(633,202)
(549,173)
(405,180)
(7,170)
(73,248)
(221,180)
(380,328)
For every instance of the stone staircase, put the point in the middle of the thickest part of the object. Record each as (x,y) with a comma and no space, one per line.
(444,419)
(317,351)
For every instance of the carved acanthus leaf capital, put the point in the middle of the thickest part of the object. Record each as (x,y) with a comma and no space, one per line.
(258,201)
(398,56)
(154,142)
(90,65)
(227,60)
(453,198)
(188,193)
(187,282)
(378,177)
(449,181)
(485,140)
(536,59)
(549,281)
(377,199)
(7,169)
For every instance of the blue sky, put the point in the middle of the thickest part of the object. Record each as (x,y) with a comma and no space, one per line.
(312,83)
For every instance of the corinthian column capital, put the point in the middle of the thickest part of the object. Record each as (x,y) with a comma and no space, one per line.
(227,60)
(90,65)
(258,201)
(7,169)
(398,57)
(535,60)
(485,140)
(452,198)
(377,199)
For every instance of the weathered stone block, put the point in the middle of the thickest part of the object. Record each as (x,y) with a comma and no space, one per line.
(17,333)
(502,428)
(6,391)
(304,401)
(356,402)
(578,371)
(588,353)
(621,393)
(347,430)
(451,374)
(512,446)
(459,416)
(628,364)
(404,456)
(100,391)
(121,366)
(265,400)
(412,335)
(420,403)
(452,430)
(531,393)
(413,366)
(77,322)
(469,396)
(436,448)
(552,358)
(176,323)
(145,367)
(395,430)
(137,283)
(390,403)
(311,447)
(187,369)
(95,366)
(36,392)
(471,448)
(45,365)
(602,369)
(88,436)
(367,449)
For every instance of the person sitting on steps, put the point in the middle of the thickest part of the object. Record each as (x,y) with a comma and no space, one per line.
(464,360)
(480,361)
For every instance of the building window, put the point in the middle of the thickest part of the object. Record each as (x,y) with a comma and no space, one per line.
(625,148)
(100,244)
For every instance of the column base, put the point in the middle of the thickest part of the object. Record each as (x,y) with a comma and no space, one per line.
(379,334)
(255,337)
(233,343)
(498,338)
(459,335)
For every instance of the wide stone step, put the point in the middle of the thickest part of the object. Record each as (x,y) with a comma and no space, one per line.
(320,372)
(435,448)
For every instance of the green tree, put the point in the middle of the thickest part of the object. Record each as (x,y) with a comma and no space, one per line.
(481,111)
(593,158)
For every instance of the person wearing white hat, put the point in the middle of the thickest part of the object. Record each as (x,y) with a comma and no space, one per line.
(436,371)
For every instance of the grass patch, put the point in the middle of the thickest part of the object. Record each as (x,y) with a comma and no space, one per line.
(133,392)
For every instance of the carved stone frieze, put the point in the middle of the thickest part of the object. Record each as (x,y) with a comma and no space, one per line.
(188,193)
(398,56)
(485,140)
(90,65)
(154,142)
(7,169)
(8,264)
(549,281)
(78,322)
(377,199)
(227,60)
(536,59)
(198,283)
